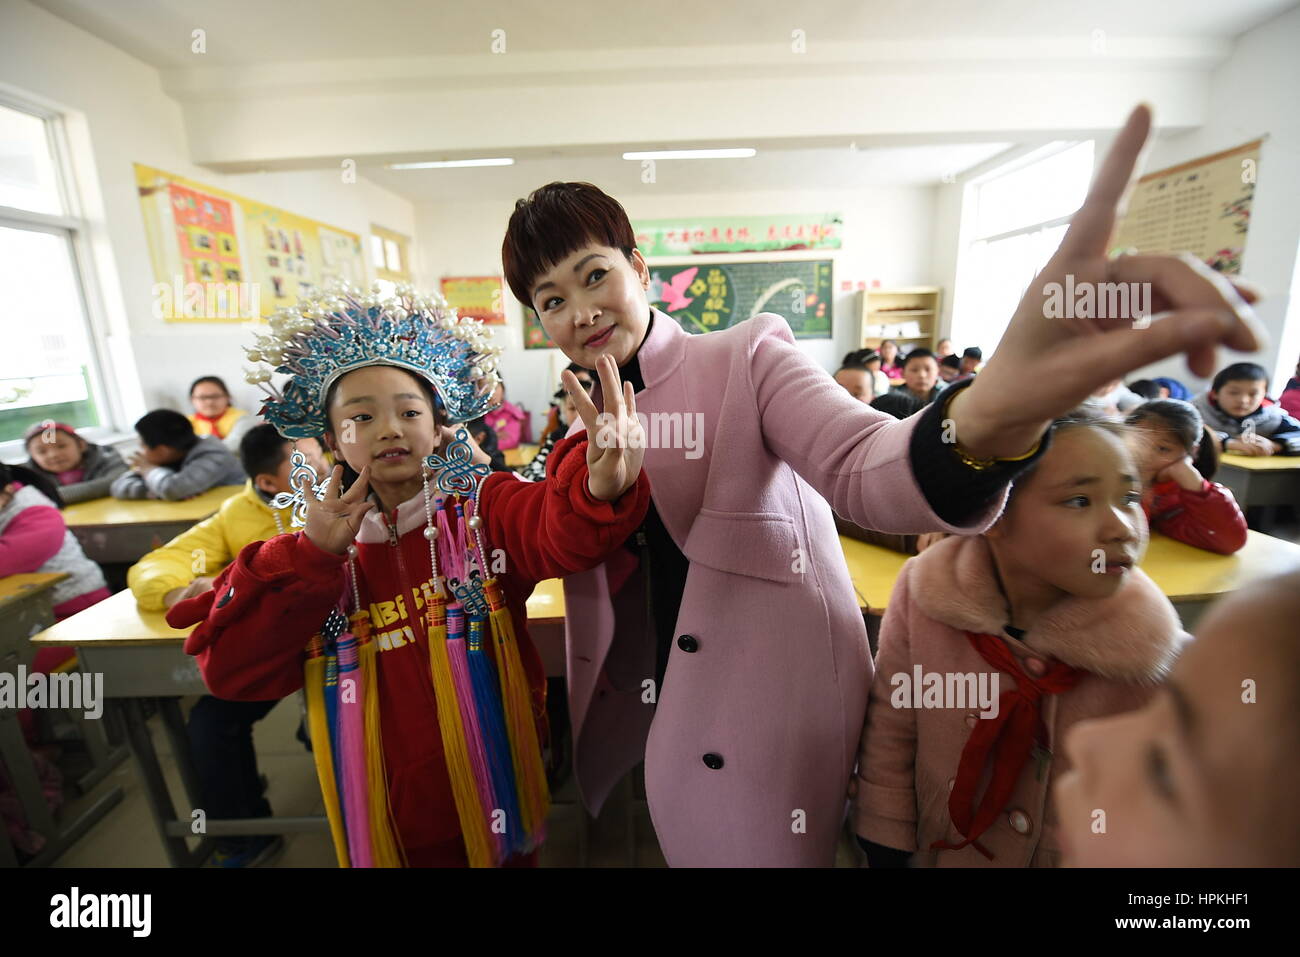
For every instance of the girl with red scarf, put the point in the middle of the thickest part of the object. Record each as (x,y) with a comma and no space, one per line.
(994,646)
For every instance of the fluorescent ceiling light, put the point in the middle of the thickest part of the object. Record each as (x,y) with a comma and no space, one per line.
(444,164)
(743,153)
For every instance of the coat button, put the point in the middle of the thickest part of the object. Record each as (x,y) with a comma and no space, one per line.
(688,643)
(1020,822)
(1035,666)
(713,761)
(972,720)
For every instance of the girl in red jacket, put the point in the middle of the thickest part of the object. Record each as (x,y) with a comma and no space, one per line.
(411,576)
(1177,460)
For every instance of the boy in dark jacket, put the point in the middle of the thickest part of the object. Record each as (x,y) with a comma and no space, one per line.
(1235,412)
(175,463)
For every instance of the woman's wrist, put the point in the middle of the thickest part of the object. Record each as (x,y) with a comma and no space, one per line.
(983,435)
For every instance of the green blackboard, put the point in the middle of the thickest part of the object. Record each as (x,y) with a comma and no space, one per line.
(705,297)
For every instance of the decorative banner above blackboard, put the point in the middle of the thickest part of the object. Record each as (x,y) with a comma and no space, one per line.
(737,234)
(704,297)
(1201,207)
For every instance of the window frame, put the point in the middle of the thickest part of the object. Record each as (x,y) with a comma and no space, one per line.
(74,229)
(404,250)
(970,237)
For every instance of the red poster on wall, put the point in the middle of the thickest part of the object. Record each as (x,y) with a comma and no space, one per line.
(205,234)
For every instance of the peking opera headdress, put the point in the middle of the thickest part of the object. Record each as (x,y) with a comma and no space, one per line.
(486,713)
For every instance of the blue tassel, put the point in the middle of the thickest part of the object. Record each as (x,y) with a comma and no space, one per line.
(492,722)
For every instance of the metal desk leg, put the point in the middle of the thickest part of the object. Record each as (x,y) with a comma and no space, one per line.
(155,785)
(174,723)
(22,772)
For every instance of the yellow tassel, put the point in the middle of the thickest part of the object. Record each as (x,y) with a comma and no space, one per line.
(521,723)
(318,724)
(473,820)
(385,848)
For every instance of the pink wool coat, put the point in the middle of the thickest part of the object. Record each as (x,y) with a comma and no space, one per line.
(749,749)
(909,756)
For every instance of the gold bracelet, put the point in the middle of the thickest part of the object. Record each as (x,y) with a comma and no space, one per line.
(980,465)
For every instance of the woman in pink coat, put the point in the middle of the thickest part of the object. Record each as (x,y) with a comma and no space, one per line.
(994,646)
(725,646)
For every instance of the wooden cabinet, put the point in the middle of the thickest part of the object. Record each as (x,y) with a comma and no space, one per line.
(908,315)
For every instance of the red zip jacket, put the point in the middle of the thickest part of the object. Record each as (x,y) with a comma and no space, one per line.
(1208,519)
(269,602)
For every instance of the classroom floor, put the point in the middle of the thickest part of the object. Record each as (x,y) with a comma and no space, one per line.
(126,837)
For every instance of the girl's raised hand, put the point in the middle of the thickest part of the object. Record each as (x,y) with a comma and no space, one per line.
(333,522)
(1049,362)
(615,438)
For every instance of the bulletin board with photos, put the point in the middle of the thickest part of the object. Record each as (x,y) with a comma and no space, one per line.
(201,235)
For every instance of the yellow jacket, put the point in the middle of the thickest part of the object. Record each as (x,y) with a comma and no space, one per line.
(205,549)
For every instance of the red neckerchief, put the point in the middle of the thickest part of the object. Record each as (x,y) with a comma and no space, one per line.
(1006,739)
(212,421)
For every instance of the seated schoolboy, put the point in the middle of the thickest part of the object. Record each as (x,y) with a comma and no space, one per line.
(175,463)
(920,377)
(1148,389)
(950,368)
(221,731)
(971,359)
(1234,410)
(859,373)
(81,469)
(173,571)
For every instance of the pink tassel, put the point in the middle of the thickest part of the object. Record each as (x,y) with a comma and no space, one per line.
(352,752)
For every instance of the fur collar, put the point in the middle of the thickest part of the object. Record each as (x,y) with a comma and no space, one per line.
(1134,635)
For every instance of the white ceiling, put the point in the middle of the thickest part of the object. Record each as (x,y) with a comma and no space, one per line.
(781,169)
(410,43)
(260,31)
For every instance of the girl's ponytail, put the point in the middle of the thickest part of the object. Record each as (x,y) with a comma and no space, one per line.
(1206,459)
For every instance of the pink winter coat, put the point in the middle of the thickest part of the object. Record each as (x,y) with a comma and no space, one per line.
(909,756)
(749,749)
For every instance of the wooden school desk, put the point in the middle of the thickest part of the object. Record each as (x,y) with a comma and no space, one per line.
(113,530)
(1261,479)
(142,658)
(1193,578)
(26,607)
(1190,577)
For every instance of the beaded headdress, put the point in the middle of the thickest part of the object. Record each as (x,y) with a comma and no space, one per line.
(328,334)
